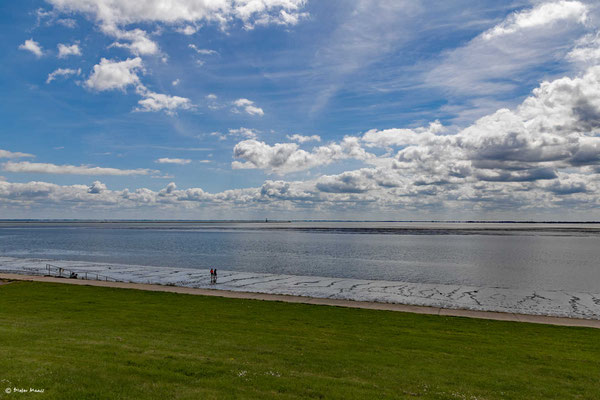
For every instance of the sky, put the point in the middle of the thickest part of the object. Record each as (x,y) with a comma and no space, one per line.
(300,109)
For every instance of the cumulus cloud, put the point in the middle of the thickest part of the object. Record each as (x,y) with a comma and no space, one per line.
(303,139)
(180,161)
(347,182)
(12,154)
(568,184)
(552,130)
(62,72)
(247,106)
(152,102)
(177,12)
(45,168)
(544,153)
(137,41)
(401,137)
(97,195)
(113,16)
(374,189)
(282,158)
(111,75)
(97,187)
(541,154)
(66,50)
(32,46)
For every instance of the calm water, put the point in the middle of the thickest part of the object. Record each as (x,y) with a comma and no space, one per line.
(528,256)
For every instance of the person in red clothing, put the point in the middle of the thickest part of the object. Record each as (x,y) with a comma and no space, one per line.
(212,276)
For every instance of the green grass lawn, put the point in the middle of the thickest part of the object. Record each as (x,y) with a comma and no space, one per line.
(81,342)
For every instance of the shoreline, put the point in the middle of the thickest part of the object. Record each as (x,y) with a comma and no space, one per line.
(545,303)
(415,309)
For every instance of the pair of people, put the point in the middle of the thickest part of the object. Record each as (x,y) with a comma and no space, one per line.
(213,276)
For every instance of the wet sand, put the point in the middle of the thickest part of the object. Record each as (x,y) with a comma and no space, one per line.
(554,303)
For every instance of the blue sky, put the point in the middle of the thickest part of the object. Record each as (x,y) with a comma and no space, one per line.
(299,109)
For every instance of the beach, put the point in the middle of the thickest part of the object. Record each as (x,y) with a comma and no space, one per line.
(438,298)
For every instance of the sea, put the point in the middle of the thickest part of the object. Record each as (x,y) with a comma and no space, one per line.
(530,256)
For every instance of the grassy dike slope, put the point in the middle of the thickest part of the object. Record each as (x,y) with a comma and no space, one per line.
(82,342)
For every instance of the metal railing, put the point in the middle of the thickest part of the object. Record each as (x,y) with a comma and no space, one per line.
(68,273)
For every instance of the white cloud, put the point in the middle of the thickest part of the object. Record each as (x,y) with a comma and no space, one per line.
(45,168)
(277,157)
(51,17)
(401,137)
(212,102)
(247,106)
(552,130)
(68,22)
(97,187)
(347,182)
(110,75)
(139,42)
(367,32)
(218,135)
(203,52)
(587,50)
(32,46)
(62,72)
(501,60)
(187,30)
(543,154)
(283,158)
(124,12)
(180,161)
(11,154)
(152,102)
(304,139)
(283,18)
(542,15)
(243,132)
(65,50)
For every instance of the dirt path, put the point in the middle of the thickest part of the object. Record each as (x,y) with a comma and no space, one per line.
(538,319)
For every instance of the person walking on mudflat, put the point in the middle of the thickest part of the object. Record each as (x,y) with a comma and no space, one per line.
(212,276)
(215,275)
